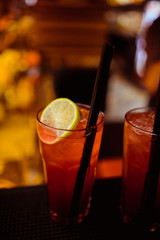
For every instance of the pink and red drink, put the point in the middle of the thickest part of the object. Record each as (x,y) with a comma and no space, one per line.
(138,131)
(61,163)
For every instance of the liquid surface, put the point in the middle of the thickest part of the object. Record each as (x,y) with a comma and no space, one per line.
(142,121)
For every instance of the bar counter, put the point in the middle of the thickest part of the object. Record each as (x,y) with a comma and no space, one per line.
(24,215)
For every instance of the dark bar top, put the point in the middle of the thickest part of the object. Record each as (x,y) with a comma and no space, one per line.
(24,215)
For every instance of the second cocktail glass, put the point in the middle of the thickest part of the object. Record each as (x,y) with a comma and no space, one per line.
(138,137)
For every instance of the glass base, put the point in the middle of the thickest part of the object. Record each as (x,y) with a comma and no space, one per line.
(140,224)
(68,220)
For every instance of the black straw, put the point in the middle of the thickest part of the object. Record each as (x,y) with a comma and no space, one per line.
(151,180)
(98,98)
(99,91)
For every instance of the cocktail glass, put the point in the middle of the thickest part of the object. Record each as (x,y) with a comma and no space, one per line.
(62,160)
(138,132)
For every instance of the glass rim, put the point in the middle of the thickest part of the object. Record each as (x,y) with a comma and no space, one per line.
(71,130)
(136,127)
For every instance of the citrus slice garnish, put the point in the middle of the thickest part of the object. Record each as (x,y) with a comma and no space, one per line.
(62,114)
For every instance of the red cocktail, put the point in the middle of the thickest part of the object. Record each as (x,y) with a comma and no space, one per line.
(62,160)
(138,132)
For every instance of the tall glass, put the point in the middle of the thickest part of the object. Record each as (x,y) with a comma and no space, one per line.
(62,161)
(138,132)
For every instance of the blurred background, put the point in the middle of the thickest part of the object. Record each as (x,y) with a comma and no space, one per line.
(52,48)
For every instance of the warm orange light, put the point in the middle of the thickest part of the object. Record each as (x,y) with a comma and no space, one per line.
(123,2)
(33,58)
(109,168)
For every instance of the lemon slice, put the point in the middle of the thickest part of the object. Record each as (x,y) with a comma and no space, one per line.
(61,113)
